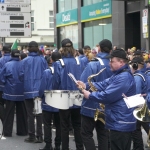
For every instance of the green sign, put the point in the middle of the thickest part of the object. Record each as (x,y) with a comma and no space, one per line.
(96,11)
(67,18)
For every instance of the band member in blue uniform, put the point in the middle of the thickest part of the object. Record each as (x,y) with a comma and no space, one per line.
(119,119)
(138,69)
(5,58)
(61,81)
(32,69)
(48,111)
(13,93)
(88,108)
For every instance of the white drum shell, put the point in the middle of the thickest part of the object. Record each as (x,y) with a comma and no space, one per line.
(62,99)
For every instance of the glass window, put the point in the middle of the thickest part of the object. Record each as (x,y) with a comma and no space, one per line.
(70,32)
(64,5)
(67,5)
(90,2)
(51,19)
(87,2)
(32,21)
(95,31)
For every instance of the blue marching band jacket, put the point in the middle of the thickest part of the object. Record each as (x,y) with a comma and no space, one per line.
(12,76)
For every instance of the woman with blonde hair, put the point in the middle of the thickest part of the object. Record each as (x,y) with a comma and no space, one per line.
(88,56)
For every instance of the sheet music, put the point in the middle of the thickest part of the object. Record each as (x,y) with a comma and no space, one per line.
(72,77)
(134,100)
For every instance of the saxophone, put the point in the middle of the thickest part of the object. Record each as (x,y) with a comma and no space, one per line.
(98,114)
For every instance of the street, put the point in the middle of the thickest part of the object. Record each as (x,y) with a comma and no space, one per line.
(17,142)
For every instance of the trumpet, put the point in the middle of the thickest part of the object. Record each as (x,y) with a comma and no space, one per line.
(99,115)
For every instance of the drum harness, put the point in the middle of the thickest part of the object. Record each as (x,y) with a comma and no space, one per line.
(78,96)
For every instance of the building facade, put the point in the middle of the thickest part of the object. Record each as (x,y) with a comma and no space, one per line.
(42,24)
(86,22)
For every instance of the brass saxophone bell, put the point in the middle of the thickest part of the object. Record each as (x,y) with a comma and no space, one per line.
(99,115)
(142,114)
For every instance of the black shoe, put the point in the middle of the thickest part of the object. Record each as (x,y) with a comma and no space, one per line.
(47,147)
(57,148)
(39,139)
(30,140)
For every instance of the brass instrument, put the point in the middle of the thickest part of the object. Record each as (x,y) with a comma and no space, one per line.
(143,114)
(98,114)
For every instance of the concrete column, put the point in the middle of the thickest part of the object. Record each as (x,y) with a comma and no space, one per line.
(118,23)
(80,39)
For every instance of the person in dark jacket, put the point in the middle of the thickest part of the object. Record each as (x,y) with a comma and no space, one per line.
(61,81)
(118,118)
(13,93)
(48,111)
(138,70)
(88,108)
(32,70)
(6,57)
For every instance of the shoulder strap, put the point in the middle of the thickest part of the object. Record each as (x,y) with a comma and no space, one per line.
(62,62)
(77,60)
(52,69)
(138,74)
(100,60)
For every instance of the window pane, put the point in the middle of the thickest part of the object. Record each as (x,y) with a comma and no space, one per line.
(74,4)
(32,13)
(61,5)
(87,2)
(32,26)
(88,34)
(51,25)
(75,36)
(67,5)
(51,13)
(51,19)
(32,19)
(96,1)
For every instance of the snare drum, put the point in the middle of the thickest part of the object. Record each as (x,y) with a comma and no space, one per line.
(63,99)
(76,97)
(58,99)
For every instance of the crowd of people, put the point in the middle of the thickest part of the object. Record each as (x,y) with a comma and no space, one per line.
(26,75)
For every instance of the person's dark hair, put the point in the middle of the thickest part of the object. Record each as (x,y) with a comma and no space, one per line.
(15,53)
(23,55)
(6,49)
(80,50)
(65,51)
(55,56)
(33,47)
(105,45)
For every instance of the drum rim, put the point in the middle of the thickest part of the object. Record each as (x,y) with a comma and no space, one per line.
(61,91)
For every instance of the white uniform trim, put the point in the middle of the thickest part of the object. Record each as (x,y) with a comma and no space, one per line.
(138,74)
(126,122)
(52,69)
(147,71)
(32,92)
(12,95)
(100,60)
(62,62)
(77,60)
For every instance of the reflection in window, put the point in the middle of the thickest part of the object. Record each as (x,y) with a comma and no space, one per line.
(90,2)
(64,5)
(95,31)
(70,32)
(32,21)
